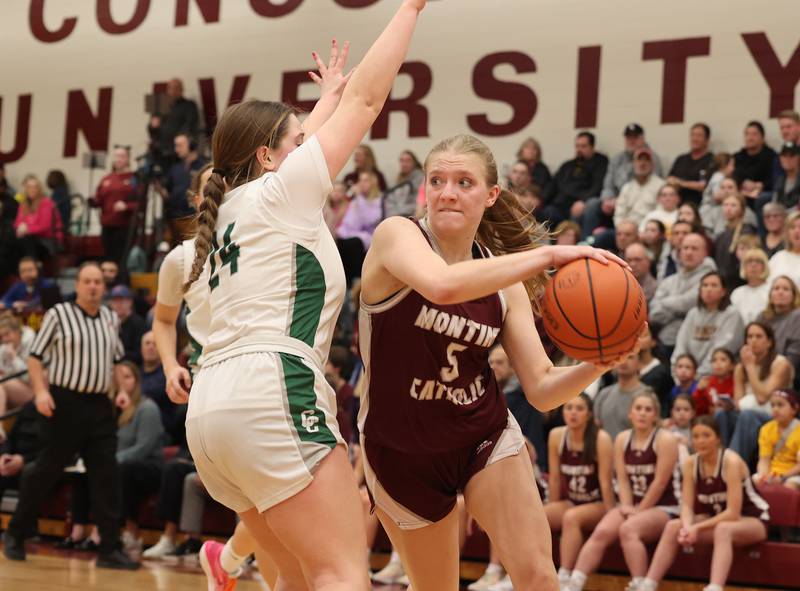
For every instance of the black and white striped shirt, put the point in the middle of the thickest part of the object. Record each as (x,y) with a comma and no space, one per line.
(82,349)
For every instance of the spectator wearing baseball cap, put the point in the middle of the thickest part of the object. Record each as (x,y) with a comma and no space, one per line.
(787,186)
(131,325)
(692,170)
(599,211)
(789,128)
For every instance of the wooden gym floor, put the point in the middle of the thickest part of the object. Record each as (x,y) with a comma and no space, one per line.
(48,569)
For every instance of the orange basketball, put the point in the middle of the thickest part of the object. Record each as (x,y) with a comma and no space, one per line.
(593,312)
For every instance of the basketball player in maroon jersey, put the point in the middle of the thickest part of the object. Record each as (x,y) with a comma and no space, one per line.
(434,300)
(646,461)
(720,507)
(581,457)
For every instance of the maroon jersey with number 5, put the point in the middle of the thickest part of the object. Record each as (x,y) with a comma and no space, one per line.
(429,387)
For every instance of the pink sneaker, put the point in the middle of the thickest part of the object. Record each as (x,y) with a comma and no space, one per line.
(218,579)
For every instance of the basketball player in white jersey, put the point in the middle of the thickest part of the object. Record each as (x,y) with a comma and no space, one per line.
(221,564)
(261,423)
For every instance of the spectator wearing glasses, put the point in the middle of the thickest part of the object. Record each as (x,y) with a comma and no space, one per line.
(640,261)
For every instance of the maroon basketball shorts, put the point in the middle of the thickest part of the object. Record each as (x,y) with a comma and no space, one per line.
(416,490)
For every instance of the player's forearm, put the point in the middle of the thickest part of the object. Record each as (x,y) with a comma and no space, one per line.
(687,515)
(607,495)
(554,481)
(36,374)
(762,469)
(469,280)
(726,515)
(166,342)
(793,471)
(559,385)
(322,111)
(625,494)
(654,493)
(375,75)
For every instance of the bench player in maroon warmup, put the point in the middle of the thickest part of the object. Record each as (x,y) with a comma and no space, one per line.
(435,297)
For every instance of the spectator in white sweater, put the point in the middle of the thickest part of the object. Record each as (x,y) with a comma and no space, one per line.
(787,261)
(751,299)
(666,210)
(637,197)
(712,324)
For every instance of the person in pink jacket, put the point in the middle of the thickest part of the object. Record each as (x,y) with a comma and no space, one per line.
(38,224)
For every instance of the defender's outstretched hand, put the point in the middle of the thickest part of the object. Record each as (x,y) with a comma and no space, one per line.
(331,78)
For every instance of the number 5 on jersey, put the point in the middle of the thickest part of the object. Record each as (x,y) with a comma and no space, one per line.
(448,374)
(228,255)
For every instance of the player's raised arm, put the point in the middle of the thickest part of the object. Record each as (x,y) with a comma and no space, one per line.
(368,88)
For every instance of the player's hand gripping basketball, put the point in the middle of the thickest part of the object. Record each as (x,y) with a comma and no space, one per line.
(561,255)
(613,363)
(331,78)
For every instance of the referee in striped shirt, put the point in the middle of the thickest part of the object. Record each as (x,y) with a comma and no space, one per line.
(81,341)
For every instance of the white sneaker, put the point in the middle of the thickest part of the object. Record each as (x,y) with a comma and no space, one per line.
(390,574)
(488,579)
(503,584)
(129,543)
(157,552)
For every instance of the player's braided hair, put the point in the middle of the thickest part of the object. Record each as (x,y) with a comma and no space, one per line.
(241,130)
(507,226)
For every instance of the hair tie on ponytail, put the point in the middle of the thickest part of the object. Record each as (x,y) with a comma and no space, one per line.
(219,171)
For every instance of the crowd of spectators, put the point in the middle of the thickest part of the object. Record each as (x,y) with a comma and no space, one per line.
(714,241)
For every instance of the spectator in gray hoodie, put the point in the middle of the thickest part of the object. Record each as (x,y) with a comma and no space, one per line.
(712,324)
(677,294)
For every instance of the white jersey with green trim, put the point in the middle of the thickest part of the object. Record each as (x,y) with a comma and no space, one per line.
(275,275)
(174,272)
